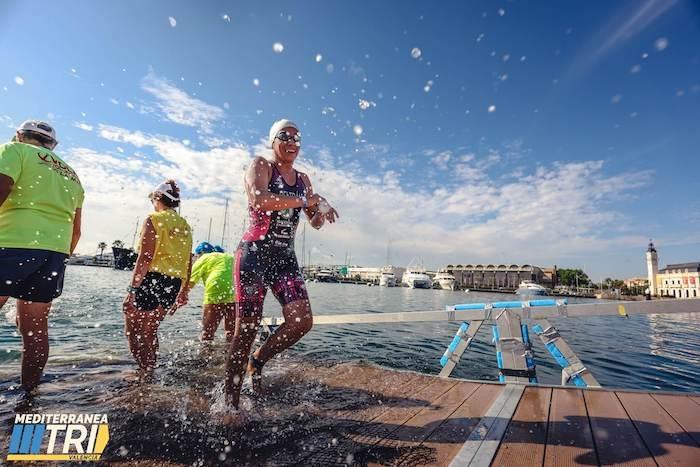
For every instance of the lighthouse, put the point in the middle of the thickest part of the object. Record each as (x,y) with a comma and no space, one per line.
(652,268)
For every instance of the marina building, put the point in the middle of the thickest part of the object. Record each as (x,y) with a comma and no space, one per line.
(500,276)
(675,280)
(372,274)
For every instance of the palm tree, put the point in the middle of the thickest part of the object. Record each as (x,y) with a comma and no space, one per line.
(118,244)
(101,246)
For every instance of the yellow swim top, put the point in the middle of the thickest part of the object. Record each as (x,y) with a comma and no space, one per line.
(173,244)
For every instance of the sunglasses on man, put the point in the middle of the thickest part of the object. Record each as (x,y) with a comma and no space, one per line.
(286,136)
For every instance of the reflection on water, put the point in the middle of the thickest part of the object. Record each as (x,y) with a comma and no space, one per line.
(181,414)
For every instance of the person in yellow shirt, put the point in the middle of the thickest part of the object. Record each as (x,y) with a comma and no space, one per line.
(41,199)
(214,268)
(161,275)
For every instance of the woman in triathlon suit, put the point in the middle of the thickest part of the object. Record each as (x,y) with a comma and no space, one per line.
(161,275)
(265,257)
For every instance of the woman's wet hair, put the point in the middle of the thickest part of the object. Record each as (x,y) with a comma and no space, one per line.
(174,192)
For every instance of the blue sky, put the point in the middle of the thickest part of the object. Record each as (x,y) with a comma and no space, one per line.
(462,132)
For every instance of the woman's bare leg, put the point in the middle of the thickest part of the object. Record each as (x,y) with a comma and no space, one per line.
(211,316)
(229,320)
(298,321)
(239,349)
(149,349)
(32,320)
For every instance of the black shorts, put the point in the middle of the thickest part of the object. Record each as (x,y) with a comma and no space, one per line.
(258,267)
(32,275)
(157,290)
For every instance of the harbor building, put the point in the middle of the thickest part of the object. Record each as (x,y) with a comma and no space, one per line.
(680,280)
(373,274)
(500,276)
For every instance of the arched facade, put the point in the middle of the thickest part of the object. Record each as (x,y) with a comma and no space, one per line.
(490,276)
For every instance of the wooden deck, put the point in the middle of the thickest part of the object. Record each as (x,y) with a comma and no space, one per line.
(413,419)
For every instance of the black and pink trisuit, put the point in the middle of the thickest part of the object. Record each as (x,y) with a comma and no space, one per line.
(265,257)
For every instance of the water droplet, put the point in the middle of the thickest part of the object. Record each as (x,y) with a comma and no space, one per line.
(172,21)
(19,81)
(357,129)
(416,52)
(256,82)
(616,99)
(635,69)
(660,44)
(492,108)
(319,57)
(226,18)
(501,12)
(277,47)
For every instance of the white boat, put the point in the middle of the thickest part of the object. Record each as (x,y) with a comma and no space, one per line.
(325,275)
(445,280)
(531,288)
(416,278)
(387,279)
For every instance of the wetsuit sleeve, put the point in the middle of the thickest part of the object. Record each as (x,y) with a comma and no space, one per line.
(10,161)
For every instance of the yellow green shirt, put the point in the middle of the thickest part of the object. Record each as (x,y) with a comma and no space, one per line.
(173,244)
(215,270)
(39,212)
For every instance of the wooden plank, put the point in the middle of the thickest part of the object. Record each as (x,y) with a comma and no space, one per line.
(390,392)
(616,439)
(396,445)
(368,431)
(695,399)
(480,447)
(684,411)
(569,439)
(489,446)
(448,439)
(526,435)
(663,436)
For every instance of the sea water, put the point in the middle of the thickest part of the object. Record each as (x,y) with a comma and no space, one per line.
(90,366)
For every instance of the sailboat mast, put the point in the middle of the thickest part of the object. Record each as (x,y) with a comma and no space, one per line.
(136,230)
(209,234)
(223,230)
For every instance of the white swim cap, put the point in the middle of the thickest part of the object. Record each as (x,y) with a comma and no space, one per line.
(278,126)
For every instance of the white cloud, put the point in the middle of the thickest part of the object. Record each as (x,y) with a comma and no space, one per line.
(83,126)
(442,159)
(543,216)
(179,107)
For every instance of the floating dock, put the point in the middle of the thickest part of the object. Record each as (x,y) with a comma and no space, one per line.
(411,419)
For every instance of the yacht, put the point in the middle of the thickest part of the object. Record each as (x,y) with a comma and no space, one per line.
(445,280)
(531,288)
(416,278)
(387,279)
(325,275)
